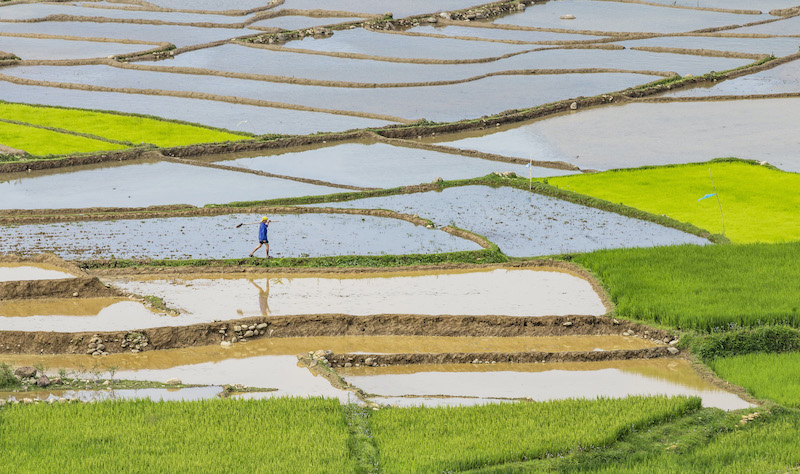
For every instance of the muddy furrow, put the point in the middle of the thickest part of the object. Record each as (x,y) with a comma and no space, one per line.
(46,342)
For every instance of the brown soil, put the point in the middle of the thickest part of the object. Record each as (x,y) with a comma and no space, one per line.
(339,360)
(328,325)
(46,258)
(7,150)
(85,287)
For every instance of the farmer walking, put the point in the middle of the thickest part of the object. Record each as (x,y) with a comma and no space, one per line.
(262,234)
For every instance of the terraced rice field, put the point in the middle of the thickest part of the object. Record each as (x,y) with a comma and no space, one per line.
(445,264)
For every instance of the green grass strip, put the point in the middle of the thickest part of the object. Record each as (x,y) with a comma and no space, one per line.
(713,287)
(457,438)
(766,376)
(759,203)
(127,128)
(40,142)
(279,435)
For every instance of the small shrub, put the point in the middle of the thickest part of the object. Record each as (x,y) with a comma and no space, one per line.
(769,339)
(7,377)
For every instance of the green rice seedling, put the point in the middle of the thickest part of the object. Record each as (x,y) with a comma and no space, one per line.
(772,339)
(772,376)
(707,288)
(40,142)
(759,203)
(126,128)
(279,435)
(457,438)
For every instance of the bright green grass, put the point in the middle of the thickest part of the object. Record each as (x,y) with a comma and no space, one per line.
(759,204)
(37,141)
(772,445)
(280,435)
(439,439)
(125,128)
(702,287)
(772,376)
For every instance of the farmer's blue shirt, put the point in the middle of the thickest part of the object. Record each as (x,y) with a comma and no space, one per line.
(262,232)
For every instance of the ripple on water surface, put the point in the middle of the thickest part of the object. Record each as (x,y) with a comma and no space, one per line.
(495,292)
(292,235)
(541,382)
(528,224)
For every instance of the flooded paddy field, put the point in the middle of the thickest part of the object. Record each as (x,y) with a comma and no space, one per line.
(763,5)
(379,7)
(479,32)
(79,314)
(294,22)
(31,271)
(527,224)
(776,45)
(245,118)
(142,184)
(300,235)
(783,79)
(623,17)
(211,5)
(494,292)
(754,129)
(538,382)
(56,48)
(407,103)
(377,165)
(155,394)
(30,11)
(789,26)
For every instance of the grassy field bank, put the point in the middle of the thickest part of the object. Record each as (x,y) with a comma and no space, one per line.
(704,288)
(445,439)
(283,435)
(759,203)
(131,129)
(771,376)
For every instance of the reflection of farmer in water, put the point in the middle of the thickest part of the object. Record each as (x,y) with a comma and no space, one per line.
(263,297)
(262,234)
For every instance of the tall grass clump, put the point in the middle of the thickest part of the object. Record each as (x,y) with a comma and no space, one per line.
(772,376)
(457,438)
(703,287)
(279,435)
(7,377)
(770,339)
(759,203)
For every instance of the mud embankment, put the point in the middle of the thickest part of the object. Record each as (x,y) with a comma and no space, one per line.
(83,287)
(19,342)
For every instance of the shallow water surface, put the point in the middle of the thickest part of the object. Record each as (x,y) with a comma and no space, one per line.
(783,79)
(156,394)
(528,224)
(495,292)
(31,271)
(36,48)
(143,184)
(291,235)
(541,382)
(777,46)
(379,7)
(296,22)
(77,315)
(654,134)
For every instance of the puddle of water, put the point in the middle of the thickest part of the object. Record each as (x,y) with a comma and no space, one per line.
(777,46)
(361,41)
(379,7)
(622,17)
(245,118)
(259,348)
(786,26)
(88,314)
(296,22)
(527,224)
(142,184)
(300,235)
(501,34)
(176,34)
(476,98)
(687,133)
(778,80)
(31,271)
(42,10)
(34,48)
(541,382)
(155,394)
(380,165)
(495,292)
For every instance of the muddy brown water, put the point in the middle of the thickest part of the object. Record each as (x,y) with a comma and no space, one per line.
(753,129)
(543,381)
(245,118)
(492,292)
(31,271)
(622,17)
(79,314)
(142,184)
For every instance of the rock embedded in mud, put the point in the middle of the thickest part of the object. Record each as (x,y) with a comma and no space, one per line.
(43,381)
(673,350)
(225,344)
(25,372)
(249,334)
(567,324)
(261,326)
(568,16)
(173,382)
